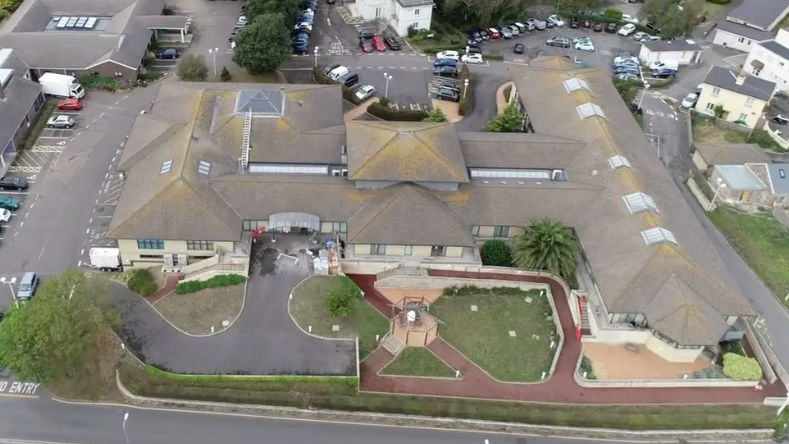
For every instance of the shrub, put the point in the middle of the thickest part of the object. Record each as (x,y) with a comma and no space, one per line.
(222,280)
(496,253)
(399,115)
(613,13)
(466,290)
(741,368)
(99,82)
(720,2)
(192,68)
(732,347)
(350,381)
(142,283)
(761,138)
(384,101)
(661,83)
(586,367)
(225,74)
(343,298)
(604,19)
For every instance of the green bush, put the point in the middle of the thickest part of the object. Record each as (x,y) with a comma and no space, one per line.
(222,280)
(586,367)
(732,346)
(761,138)
(351,381)
(498,57)
(445,47)
(496,253)
(99,82)
(719,2)
(225,75)
(466,290)
(343,298)
(613,13)
(142,283)
(466,99)
(604,19)
(402,115)
(741,368)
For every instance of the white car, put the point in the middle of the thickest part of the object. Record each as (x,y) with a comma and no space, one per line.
(586,45)
(627,29)
(640,36)
(474,59)
(690,100)
(454,55)
(365,92)
(5,215)
(620,60)
(338,72)
(556,20)
(629,18)
(303,26)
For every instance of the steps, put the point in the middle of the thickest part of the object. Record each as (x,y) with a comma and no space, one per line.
(583,312)
(392,344)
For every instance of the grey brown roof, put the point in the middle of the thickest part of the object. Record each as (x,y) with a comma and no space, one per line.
(730,153)
(745,31)
(404,151)
(20,95)
(776,48)
(752,86)
(503,150)
(761,13)
(672,45)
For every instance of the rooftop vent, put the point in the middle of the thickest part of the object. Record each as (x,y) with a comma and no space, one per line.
(638,202)
(575,84)
(204,167)
(261,102)
(166,166)
(589,110)
(618,162)
(657,235)
(782,173)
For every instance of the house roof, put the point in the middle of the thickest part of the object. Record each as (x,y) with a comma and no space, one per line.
(761,13)
(745,31)
(20,95)
(739,178)
(776,48)
(752,87)
(730,153)
(672,45)
(779,182)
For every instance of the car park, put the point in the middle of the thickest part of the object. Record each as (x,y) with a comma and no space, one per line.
(338,72)
(627,77)
(611,28)
(561,42)
(9,203)
(473,49)
(452,55)
(27,286)
(445,71)
(349,80)
(366,45)
(5,215)
(70,104)
(449,85)
(780,120)
(366,34)
(556,20)
(665,64)
(472,59)
(664,73)
(365,92)
(628,71)
(639,36)
(392,43)
(378,43)
(541,25)
(575,23)
(521,27)
(627,29)
(629,18)
(448,94)
(13,182)
(474,35)
(493,33)
(60,121)
(519,48)
(586,45)
(167,53)
(690,100)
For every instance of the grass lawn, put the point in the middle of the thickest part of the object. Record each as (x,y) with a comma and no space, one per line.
(708,131)
(418,361)
(712,9)
(308,308)
(762,242)
(196,313)
(341,396)
(484,335)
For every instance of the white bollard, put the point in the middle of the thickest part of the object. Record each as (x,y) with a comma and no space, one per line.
(309,329)
(487,442)
(543,375)
(552,345)
(212,329)
(377,338)
(457,374)
(584,376)
(123,346)
(290,297)
(542,293)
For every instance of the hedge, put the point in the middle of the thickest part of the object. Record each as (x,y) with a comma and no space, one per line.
(604,19)
(719,2)
(398,115)
(351,381)
(347,93)
(142,283)
(222,280)
(741,368)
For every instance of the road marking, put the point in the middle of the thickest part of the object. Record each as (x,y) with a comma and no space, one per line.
(43,248)
(81,252)
(90,221)
(79,264)
(32,205)
(87,231)
(20,226)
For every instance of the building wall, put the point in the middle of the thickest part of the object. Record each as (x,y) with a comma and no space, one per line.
(417,16)
(682,57)
(776,68)
(28,121)
(373,9)
(400,250)
(132,255)
(699,161)
(107,69)
(670,353)
(735,104)
(490,232)
(733,41)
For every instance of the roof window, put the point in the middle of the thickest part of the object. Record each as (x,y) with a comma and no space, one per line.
(589,110)
(618,162)
(638,202)
(204,167)
(166,166)
(658,235)
(575,84)
(510,174)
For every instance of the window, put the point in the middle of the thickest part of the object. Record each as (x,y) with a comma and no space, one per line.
(252,225)
(150,244)
(743,117)
(166,166)
(716,92)
(589,110)
(638,202)
(289,169)
(409,250)
(475,230)
(152,256)
(741,40)
(204,167)
(378,249)
(658,235)
(749,102)
(199,245)
(437,251)
(416,12)
(340,227)
(510,174)
(618,162)
(501,231)
(710,106)
(575,84)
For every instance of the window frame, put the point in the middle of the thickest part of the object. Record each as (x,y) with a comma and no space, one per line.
(376,249)
(150,244)
(199,245)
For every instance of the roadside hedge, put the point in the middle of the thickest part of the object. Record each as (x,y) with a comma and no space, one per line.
(222,280)
(719,2)
(350,381)
(604,19)
(347,93)
(397,115)
(741,368)
(142,282)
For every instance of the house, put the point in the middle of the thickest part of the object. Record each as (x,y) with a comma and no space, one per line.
(742,184)
(686,52)
(751,22)
(779,183)
(108,38)
(770,60)
(735,97)
(213,162)
(21,101)
(707,155)
(399,14)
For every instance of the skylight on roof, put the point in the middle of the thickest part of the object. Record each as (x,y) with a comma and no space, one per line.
(658,235)
(638,202)
(618,162)
(166,166)
(510,174)
(204,167)
(575,84)
(589,110)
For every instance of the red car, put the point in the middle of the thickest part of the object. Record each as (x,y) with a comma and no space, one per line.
(378,43)
(71,104)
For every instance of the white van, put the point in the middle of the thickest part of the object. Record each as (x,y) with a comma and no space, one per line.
(338,72)
(664,64)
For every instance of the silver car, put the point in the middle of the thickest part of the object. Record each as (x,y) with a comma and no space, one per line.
(60,121)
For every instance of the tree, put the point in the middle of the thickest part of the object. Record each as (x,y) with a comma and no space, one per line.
(496,253)
(192,68)
(54,336)
(436,115)
(225,74)
(343,298)
(509,121)
(289,8)
(672,19)
(550,246)
(264,44)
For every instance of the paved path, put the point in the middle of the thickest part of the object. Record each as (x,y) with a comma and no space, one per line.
(561,387)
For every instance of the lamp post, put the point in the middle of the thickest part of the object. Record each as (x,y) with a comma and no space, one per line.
(213,53)
(315,51)
(465,88)
(715,196)
(10,283)
(386,90)
(643,93)
(125,418)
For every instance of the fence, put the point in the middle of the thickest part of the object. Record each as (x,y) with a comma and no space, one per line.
(718,121)
(758,351)
(775,136)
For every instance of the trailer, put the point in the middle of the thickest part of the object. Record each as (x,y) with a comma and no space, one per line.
(106,259)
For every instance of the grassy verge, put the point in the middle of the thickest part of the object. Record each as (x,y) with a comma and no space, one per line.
(46,113)
(202,312)
(762,242)
(343,397)
(418,361)
(99,383)
(157,373)
(705,130)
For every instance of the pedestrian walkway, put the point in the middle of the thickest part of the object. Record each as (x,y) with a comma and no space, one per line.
(169,286)
(559,388)
(359,110)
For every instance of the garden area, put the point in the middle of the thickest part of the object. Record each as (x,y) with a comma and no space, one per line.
(505,331)
(204,307)
(420,362)
(707,130)
(334,307)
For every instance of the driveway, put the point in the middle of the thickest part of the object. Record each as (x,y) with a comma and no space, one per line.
(264,340)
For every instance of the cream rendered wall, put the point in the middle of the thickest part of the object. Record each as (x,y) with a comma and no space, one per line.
(699,161)
(730,40)
(361,249)
(421,251)
(486,231)
(732,102)
(776,68)
(408,16)
(670,353)
(395,250)
(326,227)
(454,251)
(130,253)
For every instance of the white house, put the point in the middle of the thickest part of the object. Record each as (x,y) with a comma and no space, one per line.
(736,97)
(686,52)
(769,60)
(399,14)
(751,22)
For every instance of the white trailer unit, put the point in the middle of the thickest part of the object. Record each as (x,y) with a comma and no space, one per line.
(60,85)
(106,259)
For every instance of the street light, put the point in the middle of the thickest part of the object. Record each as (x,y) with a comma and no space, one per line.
(643,93)
(213,53)
(465,87)
(388,78)
(125,418)
(10,283)
(715,196)
(316,56)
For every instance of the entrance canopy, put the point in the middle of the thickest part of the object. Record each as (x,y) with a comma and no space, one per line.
(294,221)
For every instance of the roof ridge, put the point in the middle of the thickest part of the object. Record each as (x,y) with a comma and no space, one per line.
(438,155)
(216,216)
(378,213)
(142,207)
(375,154)
(154,144)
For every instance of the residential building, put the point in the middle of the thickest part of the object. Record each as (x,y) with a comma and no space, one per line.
(707,155)
(686,52)
(735,97)
(21,101)
(107,38)
(399,14)
(779,183)
(769,60)
(751,22)
(742,185)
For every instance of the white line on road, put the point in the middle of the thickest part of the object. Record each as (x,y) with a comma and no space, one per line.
(43,248)
(100,116)
(90,222)
(20,226)
(106,175)
(79,264)
(27,214)
(103,217)
(32,205)
(113,157)
(117,103)
(15,233)
(81,252)
(97,201)
(87,230)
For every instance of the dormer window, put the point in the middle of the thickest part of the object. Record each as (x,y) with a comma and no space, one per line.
(590,110)
(575,84)
(638,202)
(618,162)
(658,235)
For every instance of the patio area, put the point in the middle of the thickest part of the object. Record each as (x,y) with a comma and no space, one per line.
(615,361)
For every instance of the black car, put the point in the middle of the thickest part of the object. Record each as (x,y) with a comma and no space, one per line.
(473,36)
(301,49)
(392,43)
(598,27)
(331,2)
(519,48)
(366,35)
(575,23)
(779,119)
(587,24)
(610,28)
(474,49)
(448,94)
(12,182)
(445,71)
(168,53)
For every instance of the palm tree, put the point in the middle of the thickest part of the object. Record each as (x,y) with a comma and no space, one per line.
(549,246)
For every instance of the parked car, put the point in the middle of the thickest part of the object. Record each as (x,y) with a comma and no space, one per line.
(301,48)
(366,45)
(631,71)
(586,45)
(9,203)
(13,182)
(540,24)
(514,29)
(338,72)
(519,48)
(5,215)
(329,68)
(664,73)
(556,20)
(780,120)
(493,33)
(303,27)
(453,55)
(365,34)
(449,85)
(472,59)
(598,27)
(610,28)
(448,94)
(445,62)
(27,286)
(650,38)
(70,104)
(581,39)
(473,49)
(168,53)
(625,57)
(664,64)
(60,121)
(445,71)
(639,36)
(378,43)
(627,30)
(349,80)
(690,100)
(575,23)
(505,32)
(627,77)
(561,42)
(521,27)
(474,35)
(392,43)
(629,18)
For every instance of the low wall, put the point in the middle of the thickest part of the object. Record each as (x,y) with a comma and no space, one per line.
(201,265)
(441,282)
(780,371)
(699,195)
(653,383)
(213,273)
(759,355)
(778,139)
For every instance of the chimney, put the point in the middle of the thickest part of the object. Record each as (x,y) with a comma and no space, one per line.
(741,79)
